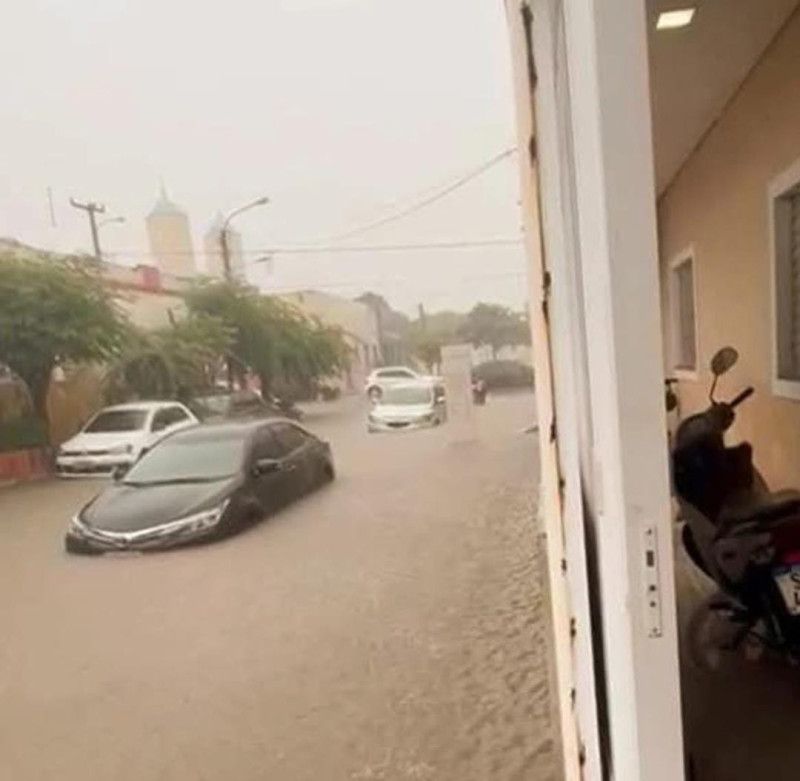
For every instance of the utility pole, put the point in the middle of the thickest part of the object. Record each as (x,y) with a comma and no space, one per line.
(226,255)
(92,209)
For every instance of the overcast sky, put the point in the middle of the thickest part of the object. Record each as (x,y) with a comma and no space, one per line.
(337,109)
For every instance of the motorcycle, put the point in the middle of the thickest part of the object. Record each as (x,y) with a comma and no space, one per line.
(745,537)
(286,408)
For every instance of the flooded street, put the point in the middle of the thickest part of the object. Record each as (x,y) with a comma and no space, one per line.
(390,626)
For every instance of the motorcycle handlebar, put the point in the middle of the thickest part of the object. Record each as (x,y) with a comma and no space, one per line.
(743,396)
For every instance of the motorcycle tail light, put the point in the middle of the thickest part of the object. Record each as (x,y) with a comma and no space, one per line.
(789,558)
(786,539)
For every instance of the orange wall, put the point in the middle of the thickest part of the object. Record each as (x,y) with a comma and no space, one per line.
(718,204)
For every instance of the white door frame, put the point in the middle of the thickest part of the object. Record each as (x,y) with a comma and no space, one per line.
(595,157)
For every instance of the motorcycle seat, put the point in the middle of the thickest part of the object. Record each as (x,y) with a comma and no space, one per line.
(762,506)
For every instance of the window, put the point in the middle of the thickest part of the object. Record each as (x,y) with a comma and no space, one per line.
(160,420)
(177,415)
(785,208)
(117,421)
(399,374)
(167,417)
(268,446)
(291,437)
(683,310)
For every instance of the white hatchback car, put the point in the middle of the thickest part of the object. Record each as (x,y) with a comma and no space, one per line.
(387,376)
(116,436)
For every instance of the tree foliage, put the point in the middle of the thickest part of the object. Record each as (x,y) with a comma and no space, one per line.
(428,349)
(269,337)
(176,362)
(496,326)
(53,312)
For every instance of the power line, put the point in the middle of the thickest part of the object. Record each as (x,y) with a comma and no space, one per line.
(315,250)
(441,245)
(455,185)
(361,284)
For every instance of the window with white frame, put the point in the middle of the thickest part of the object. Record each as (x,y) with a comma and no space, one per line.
(684,320)
(785,204)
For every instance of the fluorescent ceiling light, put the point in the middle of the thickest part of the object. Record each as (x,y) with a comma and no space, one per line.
(678,17)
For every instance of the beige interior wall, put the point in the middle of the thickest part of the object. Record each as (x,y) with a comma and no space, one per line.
(718,205)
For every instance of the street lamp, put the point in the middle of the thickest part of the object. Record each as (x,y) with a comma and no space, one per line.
(223,237)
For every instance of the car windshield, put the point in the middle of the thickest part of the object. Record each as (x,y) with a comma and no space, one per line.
(414,394)
(117,420)
(198,456)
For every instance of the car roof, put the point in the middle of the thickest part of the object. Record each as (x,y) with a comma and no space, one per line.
(394,369)
(140,405)
(426,384)
(226,428)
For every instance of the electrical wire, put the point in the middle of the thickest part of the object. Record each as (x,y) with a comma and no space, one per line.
(425,246)
(425,202)
(265,288)
(315,250)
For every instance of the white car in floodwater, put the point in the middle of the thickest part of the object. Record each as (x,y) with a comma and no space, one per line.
(407,407)
(117,436)
(387,376)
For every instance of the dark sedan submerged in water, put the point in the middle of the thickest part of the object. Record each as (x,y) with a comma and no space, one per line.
(203,483)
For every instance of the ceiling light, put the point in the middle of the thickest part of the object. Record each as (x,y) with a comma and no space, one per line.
(678,17)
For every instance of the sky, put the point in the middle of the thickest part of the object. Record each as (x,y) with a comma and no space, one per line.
(339,110)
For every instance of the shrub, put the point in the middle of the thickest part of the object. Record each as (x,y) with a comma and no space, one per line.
(22,434)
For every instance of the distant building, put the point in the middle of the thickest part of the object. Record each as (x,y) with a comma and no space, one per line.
(358,323)
(393,329)
(212,246)
(170,238)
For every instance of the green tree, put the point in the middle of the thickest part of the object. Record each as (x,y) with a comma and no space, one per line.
(429,350)
(269,337)
(54,312)
(176,362)
(496,326)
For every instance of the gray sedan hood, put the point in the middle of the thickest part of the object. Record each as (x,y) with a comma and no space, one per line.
(131,508)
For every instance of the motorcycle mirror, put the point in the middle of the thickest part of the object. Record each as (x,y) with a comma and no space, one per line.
(724,360)
(671,400)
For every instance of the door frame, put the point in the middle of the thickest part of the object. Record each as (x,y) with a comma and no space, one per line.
(595,272)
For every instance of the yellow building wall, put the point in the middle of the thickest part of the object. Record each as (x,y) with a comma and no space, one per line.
(718,205)
(171,243)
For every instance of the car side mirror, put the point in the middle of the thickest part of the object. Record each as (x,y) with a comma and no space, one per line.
(120,471)
(266,466)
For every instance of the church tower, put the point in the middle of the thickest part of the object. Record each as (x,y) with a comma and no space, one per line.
(171,238)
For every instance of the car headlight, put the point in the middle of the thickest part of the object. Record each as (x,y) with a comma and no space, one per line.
(203,520)
(121,450)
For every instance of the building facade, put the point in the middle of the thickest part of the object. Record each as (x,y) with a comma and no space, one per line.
(729,227)
(359,325)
